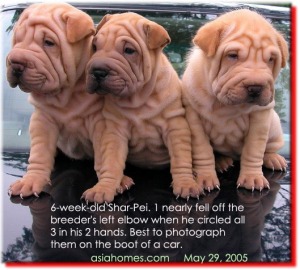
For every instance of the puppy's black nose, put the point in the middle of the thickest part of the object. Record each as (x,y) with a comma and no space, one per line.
(100,74)
(17,69)
(254,90)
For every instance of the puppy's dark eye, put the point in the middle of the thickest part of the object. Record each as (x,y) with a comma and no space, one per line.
(233,56)
(271,59)
(48,43)
(94,48)
(129,51)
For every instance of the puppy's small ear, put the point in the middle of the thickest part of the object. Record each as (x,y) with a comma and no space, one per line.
(208,37)
(156,35)
(283,49)
(104,20)
(78,26)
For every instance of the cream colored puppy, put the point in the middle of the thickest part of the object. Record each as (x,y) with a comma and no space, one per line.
(229,96)
(51,46)
(145,121)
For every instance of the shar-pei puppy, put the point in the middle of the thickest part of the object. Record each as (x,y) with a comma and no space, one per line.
(228,90)
(51,46)
(144,116)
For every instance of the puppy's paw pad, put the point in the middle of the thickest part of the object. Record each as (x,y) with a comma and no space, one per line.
(223,163)
(252,181)
(274,161)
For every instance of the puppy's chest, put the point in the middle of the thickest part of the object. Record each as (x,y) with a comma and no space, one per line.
(73,124)
(147,144)
(76,130)
(146,132)
(226,129)
(78,116)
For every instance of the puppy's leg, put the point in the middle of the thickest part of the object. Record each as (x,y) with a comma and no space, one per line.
(178,141)
(251,175)
(43,135)
(272,160)
(202,153)
(113,153)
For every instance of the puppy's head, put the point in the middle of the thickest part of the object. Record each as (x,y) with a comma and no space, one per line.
(49,51)
(245,54)
(126,48)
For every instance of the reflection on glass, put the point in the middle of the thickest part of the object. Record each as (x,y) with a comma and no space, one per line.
(260,230)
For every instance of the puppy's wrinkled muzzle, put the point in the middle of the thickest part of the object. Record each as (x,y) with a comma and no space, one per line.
(103,80)
(96,81)
(257,94)
(17,69)
(254,91)
(99,74)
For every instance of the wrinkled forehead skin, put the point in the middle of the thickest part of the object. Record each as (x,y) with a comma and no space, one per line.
(48,15)
(124,24)
(254,33)
(121,28)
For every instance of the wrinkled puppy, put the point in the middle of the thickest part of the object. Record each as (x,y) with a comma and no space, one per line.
(51,46)
(229,96)
(145,119)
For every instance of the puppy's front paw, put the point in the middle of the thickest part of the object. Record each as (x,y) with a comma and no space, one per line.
(253,181)
(126,184)
(207,181)
(185,187)
(275,161)
(30,184)
(223,163)
(103,191)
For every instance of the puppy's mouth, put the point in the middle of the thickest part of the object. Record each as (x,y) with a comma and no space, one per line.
(253,94)
(29,79)
(105,81)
